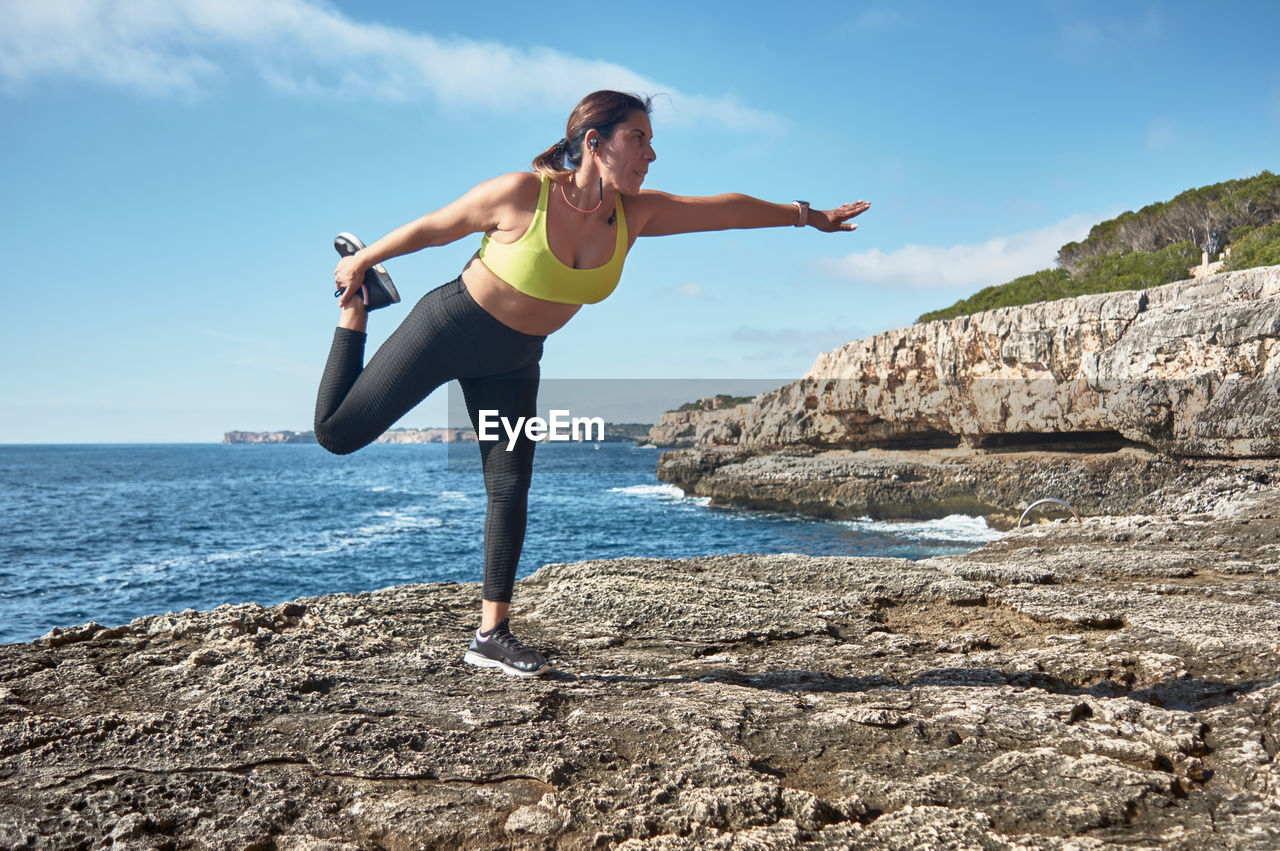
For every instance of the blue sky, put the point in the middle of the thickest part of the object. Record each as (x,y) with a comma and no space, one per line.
(175,172)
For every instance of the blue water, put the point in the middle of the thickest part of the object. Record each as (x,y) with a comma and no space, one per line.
(111,533)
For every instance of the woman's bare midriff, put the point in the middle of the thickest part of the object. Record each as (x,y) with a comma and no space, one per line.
(512,308)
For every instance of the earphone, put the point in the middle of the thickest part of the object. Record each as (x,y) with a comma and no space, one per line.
(595,143)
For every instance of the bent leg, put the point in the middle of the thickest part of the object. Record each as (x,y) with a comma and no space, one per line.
(357,403)
(507,473)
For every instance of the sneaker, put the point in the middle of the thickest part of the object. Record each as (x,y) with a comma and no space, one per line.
(503,650)
(378,291)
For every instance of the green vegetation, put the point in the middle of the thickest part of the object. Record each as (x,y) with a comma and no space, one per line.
(1111,272)
(1230,208)
(638,432)
(1154,246)
(715,403)
(1045,285)
(1255,247)
(1102,274)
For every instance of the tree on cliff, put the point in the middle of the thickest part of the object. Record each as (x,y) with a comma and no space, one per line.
(1228,208)
(1151,247)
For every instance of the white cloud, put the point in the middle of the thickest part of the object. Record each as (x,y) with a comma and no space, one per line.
(979,264)
(690,289)
(301,47)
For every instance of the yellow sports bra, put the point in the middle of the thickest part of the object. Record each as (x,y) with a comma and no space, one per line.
(529,266)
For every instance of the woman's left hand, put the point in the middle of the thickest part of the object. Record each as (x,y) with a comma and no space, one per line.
(834,221)
(347,277)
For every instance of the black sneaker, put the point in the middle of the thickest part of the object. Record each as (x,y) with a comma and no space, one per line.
(378,291)
(503,650)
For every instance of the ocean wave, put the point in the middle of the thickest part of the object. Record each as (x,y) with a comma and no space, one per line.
(383,525)
(402,521)
(662,491)
(958,528)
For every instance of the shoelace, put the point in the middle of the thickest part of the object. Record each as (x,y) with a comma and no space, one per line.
(502,634)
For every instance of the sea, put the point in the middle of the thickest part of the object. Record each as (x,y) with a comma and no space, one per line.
(109,533)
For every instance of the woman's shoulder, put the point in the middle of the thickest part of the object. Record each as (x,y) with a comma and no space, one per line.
(518,187)
(519,179)
(641,206)
(647,198)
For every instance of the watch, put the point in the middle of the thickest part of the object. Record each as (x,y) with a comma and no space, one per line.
(803,207)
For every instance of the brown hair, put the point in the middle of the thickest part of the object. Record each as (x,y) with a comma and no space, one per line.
(600,111)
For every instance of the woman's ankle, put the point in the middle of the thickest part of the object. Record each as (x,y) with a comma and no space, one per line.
(354,316)
(492,613)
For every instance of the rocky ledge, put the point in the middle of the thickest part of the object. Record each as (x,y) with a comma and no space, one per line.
(1115,403)
(922,484)
(1105,684)
(1190,369)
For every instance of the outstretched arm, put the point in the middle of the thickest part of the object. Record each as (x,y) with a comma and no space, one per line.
(660,214)
(483,208)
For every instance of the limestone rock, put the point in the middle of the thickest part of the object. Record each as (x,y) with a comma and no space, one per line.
(681,429)
(921,484)
(1190,369)
(1099,685)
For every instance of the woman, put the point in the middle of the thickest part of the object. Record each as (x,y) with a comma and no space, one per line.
(554,239)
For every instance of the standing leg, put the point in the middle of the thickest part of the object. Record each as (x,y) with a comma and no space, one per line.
(507,476)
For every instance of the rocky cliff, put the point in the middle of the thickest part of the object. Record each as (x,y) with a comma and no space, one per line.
(1189,369)
(1100,400)
(683,429)
(924,484)
(427,435)
(269,437)
(1104,685)
(395,435)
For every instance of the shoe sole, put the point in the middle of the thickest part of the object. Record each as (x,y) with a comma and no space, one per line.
(347,244)
(473,658)
(385,280)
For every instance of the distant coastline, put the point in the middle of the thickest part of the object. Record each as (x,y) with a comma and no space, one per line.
(395,435)
(613,433)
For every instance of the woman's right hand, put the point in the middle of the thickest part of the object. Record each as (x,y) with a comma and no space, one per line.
(348,276)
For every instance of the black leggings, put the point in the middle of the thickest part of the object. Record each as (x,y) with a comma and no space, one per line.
(446,336)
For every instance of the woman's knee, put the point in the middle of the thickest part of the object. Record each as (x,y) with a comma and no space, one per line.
(336,440)
(503,481)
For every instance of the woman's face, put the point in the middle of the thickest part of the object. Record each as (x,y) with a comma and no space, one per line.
(624,157)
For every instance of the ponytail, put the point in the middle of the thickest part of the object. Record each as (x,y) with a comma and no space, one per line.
(551,162)
(600,111)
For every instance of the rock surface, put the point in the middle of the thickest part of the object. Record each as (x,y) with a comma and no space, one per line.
(922,484)
(718,421)
(1111,402)
(1108,684)
(269,437)
(1189,369)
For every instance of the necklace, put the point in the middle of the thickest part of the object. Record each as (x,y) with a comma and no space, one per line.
(576,207)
